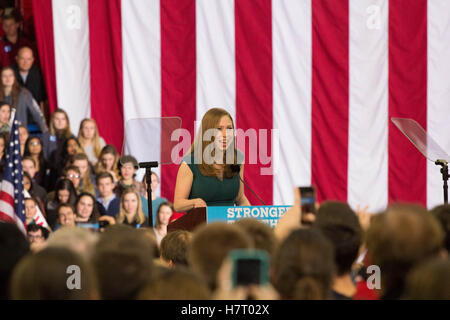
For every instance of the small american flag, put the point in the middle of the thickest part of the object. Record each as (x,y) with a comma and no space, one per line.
(12,208)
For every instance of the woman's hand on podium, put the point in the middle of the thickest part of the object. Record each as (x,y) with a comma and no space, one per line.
(198,203)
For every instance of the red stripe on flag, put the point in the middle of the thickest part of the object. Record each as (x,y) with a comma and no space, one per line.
(407,97)
(7,198)
(6,218)
(105,41)
(43,22)
(330,98)
(253,29)
(178,73)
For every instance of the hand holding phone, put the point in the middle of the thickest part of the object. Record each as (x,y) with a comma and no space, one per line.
(308,204)
(249,267)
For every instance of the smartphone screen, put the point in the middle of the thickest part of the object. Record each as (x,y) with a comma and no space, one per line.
(308,199)
(90,226)
(248,272)
(250,267)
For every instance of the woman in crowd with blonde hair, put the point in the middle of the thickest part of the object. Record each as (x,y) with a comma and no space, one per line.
(131,209)
(87,183)
(90,139)
(108,161)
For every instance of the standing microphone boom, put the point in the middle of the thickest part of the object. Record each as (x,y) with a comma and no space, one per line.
(236,168)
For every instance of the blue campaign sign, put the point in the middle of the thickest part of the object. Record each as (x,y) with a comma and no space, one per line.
(266,214)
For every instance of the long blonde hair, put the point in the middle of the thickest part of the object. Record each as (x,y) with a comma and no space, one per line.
(95,140)
(88,185)
(210,121)
(139,215)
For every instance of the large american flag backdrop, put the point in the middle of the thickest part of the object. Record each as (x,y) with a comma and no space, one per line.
(329,74)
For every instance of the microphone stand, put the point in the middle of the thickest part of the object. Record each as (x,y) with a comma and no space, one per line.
(445,176)
(148,178)
(237,168)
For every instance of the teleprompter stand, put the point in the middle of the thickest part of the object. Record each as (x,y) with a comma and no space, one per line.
(444,171)
(426,145)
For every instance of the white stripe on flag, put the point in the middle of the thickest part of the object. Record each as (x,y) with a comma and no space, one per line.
(291,32)
(141,41)
(216,72)
(72,63)
(438,118)
(368,107)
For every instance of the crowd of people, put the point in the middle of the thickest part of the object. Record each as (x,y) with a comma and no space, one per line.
(85,207)
(334,257)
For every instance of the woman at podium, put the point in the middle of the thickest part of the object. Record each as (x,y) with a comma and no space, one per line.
(209,173)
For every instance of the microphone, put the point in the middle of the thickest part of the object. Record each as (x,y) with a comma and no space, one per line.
(236,168)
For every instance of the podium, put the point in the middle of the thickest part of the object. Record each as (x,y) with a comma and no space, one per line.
(189,221)
(195,217)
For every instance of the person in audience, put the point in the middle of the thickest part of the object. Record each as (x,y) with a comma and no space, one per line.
(108,203)
(163,215)
(87,183)
(23,136)
(430,280)
(107,161)
(43,276)
(174,246)
(397,240)
(79,240)
(90,140)
(4,139)
(66,216)
(131,210)
(211,244)
(71,147)
(33,149)
(150,235)
(176,284)
(31,188)
(30,211)
(37,235)
(127,166)
(62,159)
(64,194)
(86,209)
(5,115)
(13,247)
(211,181)
(261,233)
(339,223)
(27,109)
(13,40)
(59,130)
(73,174)
(442,214)
(123,261)
(156,201)
(29,166)
(304,266)
(29,75)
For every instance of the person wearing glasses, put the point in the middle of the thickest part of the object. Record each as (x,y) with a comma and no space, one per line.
(73,173)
